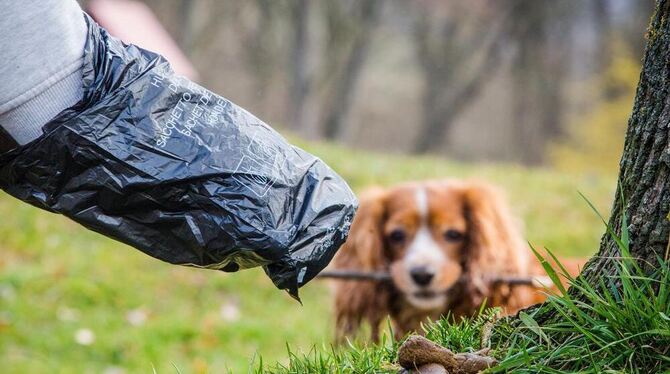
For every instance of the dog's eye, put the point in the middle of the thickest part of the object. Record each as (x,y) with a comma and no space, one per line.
(453,235)
(397,236)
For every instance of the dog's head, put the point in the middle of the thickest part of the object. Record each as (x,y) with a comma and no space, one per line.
(430,235)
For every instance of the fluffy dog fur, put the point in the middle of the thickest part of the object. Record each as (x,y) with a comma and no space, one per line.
(439,240)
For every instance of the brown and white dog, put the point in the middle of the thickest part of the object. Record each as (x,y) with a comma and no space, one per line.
(439,240)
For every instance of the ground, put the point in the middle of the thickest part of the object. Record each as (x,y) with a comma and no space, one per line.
(74,301)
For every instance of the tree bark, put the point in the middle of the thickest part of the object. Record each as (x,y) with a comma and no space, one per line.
(644,172)
(643,191)
(640,12)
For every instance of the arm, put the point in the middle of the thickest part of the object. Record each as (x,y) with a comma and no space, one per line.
(42,44)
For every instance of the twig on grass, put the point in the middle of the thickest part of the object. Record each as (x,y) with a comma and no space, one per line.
(418,351)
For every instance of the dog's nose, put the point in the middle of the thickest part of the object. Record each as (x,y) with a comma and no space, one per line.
(422,275)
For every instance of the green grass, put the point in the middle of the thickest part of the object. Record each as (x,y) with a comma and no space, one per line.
(57,278)
(358,357)
(621,324)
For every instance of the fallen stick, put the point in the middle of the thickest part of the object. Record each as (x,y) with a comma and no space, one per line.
(379,276)
(356,275)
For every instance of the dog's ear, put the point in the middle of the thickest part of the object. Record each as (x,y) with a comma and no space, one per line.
(495,244)
(358,301)
(364,249)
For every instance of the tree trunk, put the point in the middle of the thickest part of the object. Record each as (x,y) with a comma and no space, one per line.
(299,74)
(527,75)
(644,174)
(340,106)
(186,23)
(640,12)
(456,65)
(262,49)
(441,108)
(644,177)
(454,71)
(539,72)
(603,26)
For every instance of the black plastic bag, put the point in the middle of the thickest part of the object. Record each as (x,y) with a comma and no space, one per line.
(155,161)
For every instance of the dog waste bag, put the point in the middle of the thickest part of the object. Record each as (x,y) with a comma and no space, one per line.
(155,161)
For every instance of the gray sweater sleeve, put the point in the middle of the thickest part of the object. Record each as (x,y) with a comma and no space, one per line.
(42,44)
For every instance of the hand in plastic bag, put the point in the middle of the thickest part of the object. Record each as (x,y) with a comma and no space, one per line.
(155,161)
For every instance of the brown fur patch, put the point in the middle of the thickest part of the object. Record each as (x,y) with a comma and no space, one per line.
(492,244)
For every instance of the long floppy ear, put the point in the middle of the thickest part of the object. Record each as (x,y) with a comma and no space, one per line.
(495,243)
(358,301)
(363,250)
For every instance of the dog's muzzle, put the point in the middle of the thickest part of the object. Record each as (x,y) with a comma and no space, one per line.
(422,275)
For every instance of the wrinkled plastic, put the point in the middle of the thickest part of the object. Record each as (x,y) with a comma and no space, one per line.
(155,161)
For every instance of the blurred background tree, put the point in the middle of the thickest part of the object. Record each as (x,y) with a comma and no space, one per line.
(457,54)
(478,80)
(594,142)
